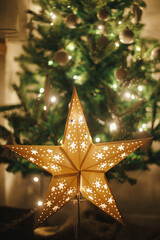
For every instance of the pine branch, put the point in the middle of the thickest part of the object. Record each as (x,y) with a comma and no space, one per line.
(4,132)
(10,107)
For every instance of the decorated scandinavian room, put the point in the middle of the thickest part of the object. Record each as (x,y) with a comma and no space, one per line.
(79,120)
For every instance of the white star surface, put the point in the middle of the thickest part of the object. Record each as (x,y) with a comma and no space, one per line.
(78,165)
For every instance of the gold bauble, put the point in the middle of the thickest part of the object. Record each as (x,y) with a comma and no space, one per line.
(126,36)
(155,54)
(72,21)
(120,74)
(102,41)
(103,14)
(61,57)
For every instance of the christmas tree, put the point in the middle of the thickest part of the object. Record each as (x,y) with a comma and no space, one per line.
(95,46)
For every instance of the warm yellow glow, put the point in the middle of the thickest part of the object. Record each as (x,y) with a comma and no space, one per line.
(53,99)
(140,88)
(100,27)
(144,125)
(78,165)
(97,139)
(39,203)
(53,16)
(36,179)
(71,46)
(50,62)
(138,49)
(116,44)
(75,77)
(41,90)
(113,127)
(127,95)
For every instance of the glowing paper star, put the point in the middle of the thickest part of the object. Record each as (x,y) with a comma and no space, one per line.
(74,166)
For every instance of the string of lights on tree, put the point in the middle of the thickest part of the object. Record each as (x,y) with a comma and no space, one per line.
(126,36)
(98,49)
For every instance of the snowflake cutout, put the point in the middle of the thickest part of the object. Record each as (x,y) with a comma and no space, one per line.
(78,165)
(121,147)
(55,208)
(73,145)
(34,151)
(48,203)
(103,206)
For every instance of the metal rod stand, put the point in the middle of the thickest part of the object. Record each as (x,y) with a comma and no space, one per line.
(79,219)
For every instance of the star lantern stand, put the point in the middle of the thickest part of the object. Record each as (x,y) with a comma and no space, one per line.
(78,165)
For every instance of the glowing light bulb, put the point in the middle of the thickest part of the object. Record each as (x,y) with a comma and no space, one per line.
(45,108)
(114,86)
(132,97)
(97,139)
(50,62)
(116,44)
(100,27)
(53,16)
(53,99)
(71,46)
(138,49)
(140,129)
(144,125)
(36,179)
(119,22)
(41,90)
(69,57)
(113,127)
(143,68)
(39,203)
(127,95)
(140,88)
(75,77)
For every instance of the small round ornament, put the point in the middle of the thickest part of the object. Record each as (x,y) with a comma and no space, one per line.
(84,38)
(61,57)
(126,36)
(155,54)
(103,14)
(72,21)
(102,42)
(120,74)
